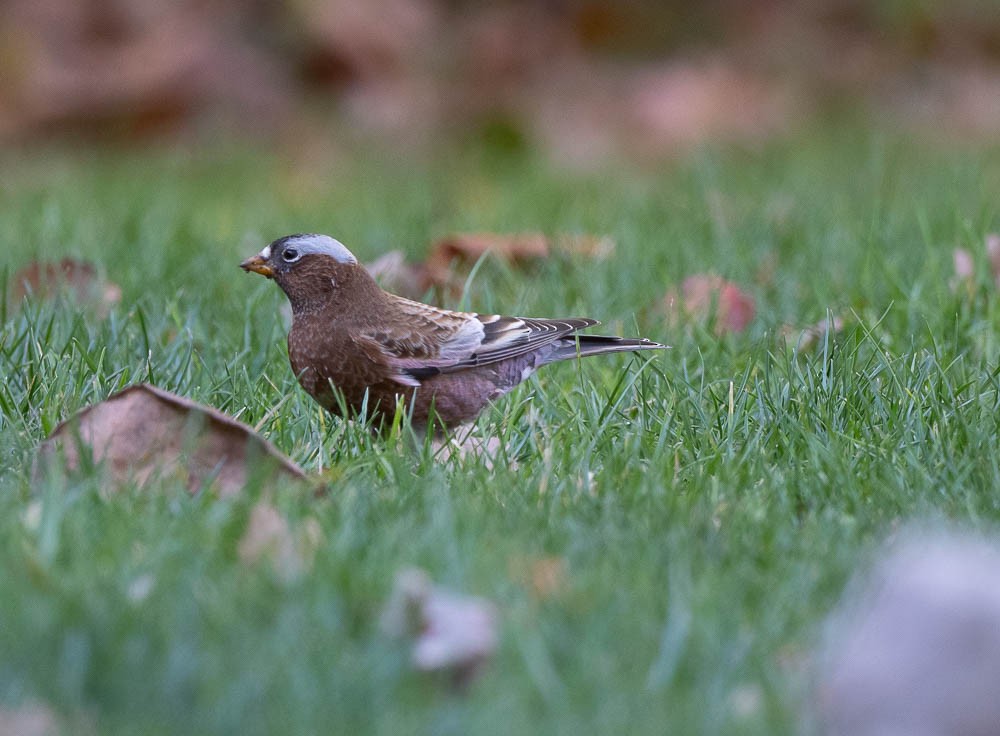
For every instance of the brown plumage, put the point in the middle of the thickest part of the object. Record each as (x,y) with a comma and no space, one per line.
(350,336)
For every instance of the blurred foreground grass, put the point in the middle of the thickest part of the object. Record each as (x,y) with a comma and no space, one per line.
(706,505)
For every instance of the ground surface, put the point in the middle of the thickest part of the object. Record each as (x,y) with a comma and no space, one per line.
(702,508)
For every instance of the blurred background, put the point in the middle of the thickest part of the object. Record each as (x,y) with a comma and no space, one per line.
(584,81)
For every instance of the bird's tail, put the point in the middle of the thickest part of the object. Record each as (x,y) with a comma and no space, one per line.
(584,345)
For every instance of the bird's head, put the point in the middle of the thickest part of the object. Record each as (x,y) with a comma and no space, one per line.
(309,268)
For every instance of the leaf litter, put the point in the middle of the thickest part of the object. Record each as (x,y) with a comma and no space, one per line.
(450,632)
(441,273)
(144,432)
(76,279)
(270,538)
(708,297)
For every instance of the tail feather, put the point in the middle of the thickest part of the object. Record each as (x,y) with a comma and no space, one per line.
(585,345)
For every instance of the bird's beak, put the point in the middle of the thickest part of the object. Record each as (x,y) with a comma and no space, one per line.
(258,264)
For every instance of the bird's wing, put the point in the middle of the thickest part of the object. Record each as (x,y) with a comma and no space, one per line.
(425,340)
(509,337)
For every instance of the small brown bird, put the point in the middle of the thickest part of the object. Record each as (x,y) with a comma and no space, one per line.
(349,335)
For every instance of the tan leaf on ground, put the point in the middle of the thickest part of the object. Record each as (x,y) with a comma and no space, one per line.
(376,39)
(945,100)
(76,279)
(598,247)
(544,577)
(803,339)
(469,445)
(451,632)
(681,104)
(517,249)
(914,647)
(467,248)
(269,536)
(965,270)
(144,432)
(394,273)
(135,68)
(705,296)
(993,254)
(29,720)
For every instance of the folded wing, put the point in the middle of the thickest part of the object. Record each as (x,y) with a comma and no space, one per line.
(426,340)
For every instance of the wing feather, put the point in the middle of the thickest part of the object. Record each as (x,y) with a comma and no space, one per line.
(427,340)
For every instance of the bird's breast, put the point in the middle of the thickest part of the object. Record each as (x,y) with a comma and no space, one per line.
(322,354)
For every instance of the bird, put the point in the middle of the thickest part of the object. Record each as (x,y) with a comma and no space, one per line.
(357,349)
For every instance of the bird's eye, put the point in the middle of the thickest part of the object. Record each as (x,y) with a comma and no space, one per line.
(290,255)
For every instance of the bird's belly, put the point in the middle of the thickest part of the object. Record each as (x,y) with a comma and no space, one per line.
(346,383)
(460,397)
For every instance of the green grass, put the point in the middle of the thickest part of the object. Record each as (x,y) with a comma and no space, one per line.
(709,503)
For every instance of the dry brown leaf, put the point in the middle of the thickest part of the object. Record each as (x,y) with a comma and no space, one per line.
(116,68)
(76,279)
(144,432)
(965,265)
(767,269)
(462,250)
(914,646)
(746,701)
(965,270)
(269,536)
(683,103)
(518,249)
(598,247)
(953,100)
(405,110)
(993,255)
(394,273)
(452,633)
(468,444)
(803,339)
(467,248)
(708,295)
(375,39)
(544,577)
(29,720)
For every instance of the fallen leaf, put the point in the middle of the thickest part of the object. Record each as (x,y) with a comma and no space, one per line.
(705,296)
(31,719)
(269,536)
(993,254)
(77,279)
(965,270)
(517,249)
(746,701)
(267,532)
(965,265)
(403,109)
(681,104)
(126,68)
(803,339)
(144,432)
(544,577)
(467,248)
(951,100)
(139,588)
(370,40)
(452,633)
(767,269)
(468,445)
(598,247)
(914,648)
(394,273)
